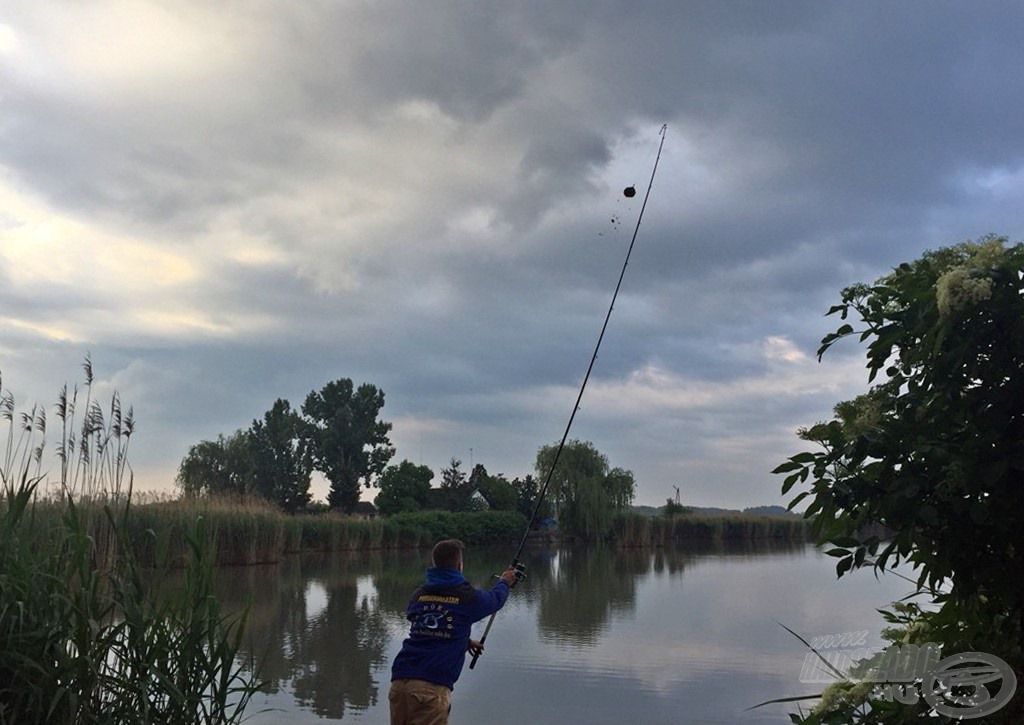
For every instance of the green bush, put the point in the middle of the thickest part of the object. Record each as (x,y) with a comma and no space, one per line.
(472,527)
(931,452)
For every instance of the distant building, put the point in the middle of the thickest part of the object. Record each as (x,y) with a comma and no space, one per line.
(439,499)
(478,501)
(365,510)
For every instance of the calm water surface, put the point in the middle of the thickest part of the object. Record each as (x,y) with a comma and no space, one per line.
(595,635)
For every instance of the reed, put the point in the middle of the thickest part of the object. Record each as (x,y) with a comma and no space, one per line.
(334,532)
(251,531)
(83,638)
(632,529)
(636,530)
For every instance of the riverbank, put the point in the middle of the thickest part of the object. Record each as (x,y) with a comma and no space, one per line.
(257,533)
(253,532)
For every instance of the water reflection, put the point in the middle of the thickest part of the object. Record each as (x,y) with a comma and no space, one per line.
(326,628)
(319,626)
(587,587)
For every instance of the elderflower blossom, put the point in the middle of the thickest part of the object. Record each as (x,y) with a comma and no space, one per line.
(842,693)
(988,253)
(957,289)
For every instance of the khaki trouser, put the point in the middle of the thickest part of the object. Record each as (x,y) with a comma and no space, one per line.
(417,702)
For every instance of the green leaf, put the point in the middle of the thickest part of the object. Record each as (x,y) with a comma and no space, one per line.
(790,482)
(798,499)
(804,458)
(789,465)
(882,560)
(858,558)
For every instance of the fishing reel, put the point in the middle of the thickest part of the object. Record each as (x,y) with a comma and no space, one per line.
(520,570)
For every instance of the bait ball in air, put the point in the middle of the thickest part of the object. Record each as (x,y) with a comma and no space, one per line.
(629,192)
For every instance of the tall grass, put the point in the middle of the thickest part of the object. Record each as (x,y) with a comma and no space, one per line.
(633,529)
(256,532)
(237,532)
(85,637)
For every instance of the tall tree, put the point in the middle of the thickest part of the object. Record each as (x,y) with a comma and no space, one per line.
(527,491)
(620,486)
(350,446)
(281,461)
(403,488)
(456,487)
(586,493)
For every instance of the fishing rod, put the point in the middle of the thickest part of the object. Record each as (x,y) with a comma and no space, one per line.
(520,570)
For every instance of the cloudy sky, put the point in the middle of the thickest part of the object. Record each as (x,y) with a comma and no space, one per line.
(228,203)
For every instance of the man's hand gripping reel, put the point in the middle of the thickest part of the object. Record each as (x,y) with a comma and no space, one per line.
(519,569)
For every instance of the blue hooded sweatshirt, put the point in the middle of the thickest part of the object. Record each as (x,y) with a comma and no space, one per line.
(442,612)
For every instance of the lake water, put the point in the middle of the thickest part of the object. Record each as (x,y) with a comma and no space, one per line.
(595,635)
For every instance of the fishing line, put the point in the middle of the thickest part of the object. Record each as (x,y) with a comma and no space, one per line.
(593,358)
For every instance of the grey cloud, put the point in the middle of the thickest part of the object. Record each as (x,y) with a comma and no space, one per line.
(810,145)
(469,59)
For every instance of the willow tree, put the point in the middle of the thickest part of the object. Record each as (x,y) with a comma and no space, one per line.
(934,450)
(586,492)
(220,467)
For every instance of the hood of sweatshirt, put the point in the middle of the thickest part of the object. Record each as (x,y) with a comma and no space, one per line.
(437,577)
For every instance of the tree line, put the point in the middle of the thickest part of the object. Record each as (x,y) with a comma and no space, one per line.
(338,432)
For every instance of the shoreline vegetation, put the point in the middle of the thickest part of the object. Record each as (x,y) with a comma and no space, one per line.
(90,633)
(253,532)
(87,633)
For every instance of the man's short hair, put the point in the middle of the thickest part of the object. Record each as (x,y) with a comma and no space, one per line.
(447,554)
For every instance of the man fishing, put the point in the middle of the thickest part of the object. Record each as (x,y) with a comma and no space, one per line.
(442,612)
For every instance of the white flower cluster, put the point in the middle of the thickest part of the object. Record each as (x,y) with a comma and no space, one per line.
(957,289)
(987,254)
(840,693)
